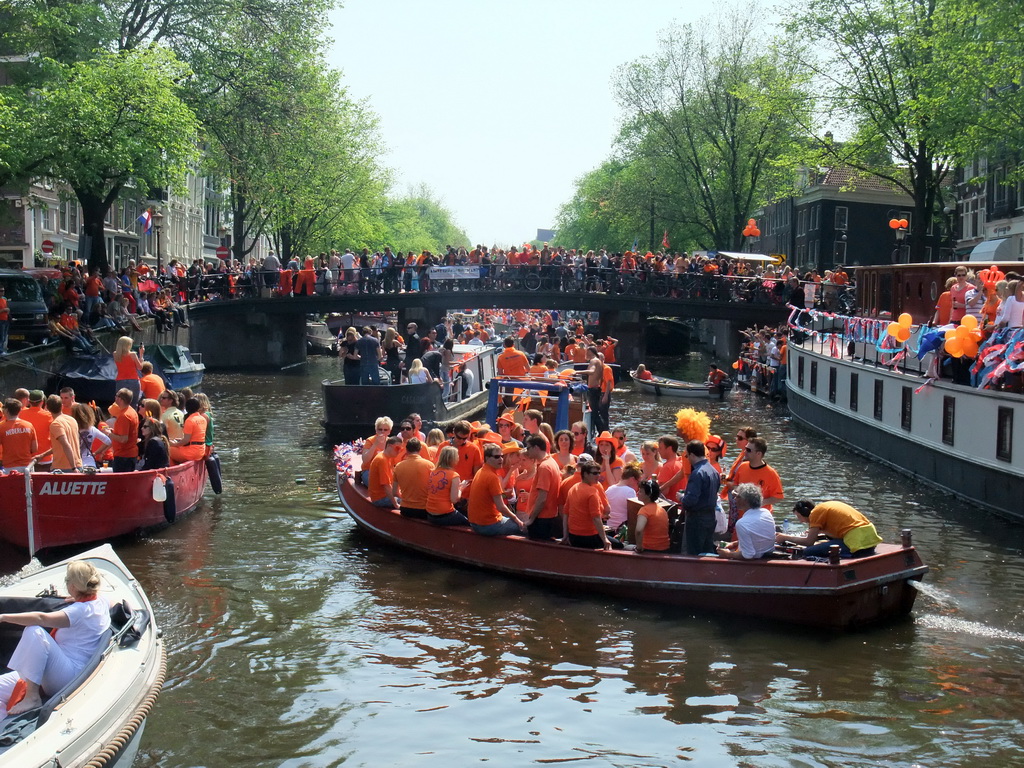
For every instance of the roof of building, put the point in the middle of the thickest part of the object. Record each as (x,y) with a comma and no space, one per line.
(851,178)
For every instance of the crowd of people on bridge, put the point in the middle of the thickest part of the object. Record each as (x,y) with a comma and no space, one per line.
(520,478)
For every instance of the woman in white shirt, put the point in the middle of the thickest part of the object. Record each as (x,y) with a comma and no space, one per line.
(418,374)
(88,434)
(47,663)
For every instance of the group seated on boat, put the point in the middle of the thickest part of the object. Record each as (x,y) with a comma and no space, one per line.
(57,433)
(509,483)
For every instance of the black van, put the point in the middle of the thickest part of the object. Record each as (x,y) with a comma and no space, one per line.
(28,310)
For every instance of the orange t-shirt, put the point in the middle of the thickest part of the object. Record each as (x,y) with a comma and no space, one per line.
(16,439)
(667,472)
(609,352)
(766,478)
(439,491)
(40,418)
(152,385)
(582,505)
(482,509)
(382,475)
(67,426)
(412,474)
(656,531)
(548,478)
(471,458)
(126,367)
(195,428)
(512,362)
(5,313)
(127,423)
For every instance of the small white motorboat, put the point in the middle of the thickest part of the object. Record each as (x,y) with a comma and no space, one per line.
(97,719)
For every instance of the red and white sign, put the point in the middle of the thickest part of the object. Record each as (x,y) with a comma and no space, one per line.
(222,251)
(47,246)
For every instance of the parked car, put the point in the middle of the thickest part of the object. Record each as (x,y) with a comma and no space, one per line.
(28,309)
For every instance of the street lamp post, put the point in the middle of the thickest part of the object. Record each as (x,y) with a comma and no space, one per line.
(158,225)
(899,227)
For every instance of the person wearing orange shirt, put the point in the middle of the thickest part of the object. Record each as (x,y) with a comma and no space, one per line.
(607,349)
(674,472)
(40,418)
(93,285)
(584,510)
(17,438)
(755,470)
(125,434)
(512,362)
(487,511)
(191,446)
(382,478)
(470,456)
(67,455)
(152,385)
(542,522)
(444,490)
(651,531)
(412,475)
(67,400)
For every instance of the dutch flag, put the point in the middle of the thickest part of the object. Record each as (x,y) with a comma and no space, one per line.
(147,221)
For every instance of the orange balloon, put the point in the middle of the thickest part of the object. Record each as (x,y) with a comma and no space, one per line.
(904,224)
(893,329)
(950,334)
(751,222)
(757,232)
(902,334)
(955,347)
(894,223)
(970,322)
(961,332)
(905,320)
(970,348)
(736,364)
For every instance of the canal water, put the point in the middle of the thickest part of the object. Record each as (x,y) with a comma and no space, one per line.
(293,640)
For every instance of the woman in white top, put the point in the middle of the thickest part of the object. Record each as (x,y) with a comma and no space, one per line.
(85,417)
(47,663)
(418,374)
(1011,313)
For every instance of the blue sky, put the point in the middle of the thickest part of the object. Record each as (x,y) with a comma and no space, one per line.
(497,107)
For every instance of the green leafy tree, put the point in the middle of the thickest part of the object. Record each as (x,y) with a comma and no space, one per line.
(118,120)
(714,115)
(896,72)
(419,222)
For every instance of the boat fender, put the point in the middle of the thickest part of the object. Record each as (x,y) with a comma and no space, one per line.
(170,509)
(159,491)
(213,472)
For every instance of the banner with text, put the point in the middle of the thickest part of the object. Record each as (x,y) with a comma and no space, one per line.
(454,273)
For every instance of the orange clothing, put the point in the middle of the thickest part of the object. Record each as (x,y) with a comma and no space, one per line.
(127,367)
(656,530)
(565,486)
(40,418)
(127,424)
(68,427)
(609,352)
(607,379)
(439,491)
(481,508)
(412,474)
(668,471)
(16,438)
(471,458)
(152,385)
(766,478)
(582,505)
(382,475)
(547,478)
(579,353)
(195,428)
(5,313)
(512,362)
(538,370)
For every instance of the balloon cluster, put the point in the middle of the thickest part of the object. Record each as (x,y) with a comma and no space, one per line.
(898,224)
(751,229)
(962,341)
(900,330)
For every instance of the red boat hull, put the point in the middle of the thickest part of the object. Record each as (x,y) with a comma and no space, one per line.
(72,508)
(853,594)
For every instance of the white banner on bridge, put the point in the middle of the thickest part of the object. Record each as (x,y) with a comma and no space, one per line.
(454,273)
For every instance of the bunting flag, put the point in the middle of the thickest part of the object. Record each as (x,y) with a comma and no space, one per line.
(664,240)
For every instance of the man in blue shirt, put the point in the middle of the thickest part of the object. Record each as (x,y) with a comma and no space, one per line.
(369,357)
(699,501)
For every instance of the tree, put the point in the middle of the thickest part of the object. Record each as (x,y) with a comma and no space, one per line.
(118,120)
(896,71)
(420,222)
(714,114)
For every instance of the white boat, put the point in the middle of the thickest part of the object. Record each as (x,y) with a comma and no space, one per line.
(319,339)
(965,440)
(663,387)
(98,718)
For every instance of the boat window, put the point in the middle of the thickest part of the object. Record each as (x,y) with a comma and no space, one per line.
(832,383)
(814,377)
(854,391)
(879,384)
(800,372)
(1004,435)
(935,291)
(948,419)
(906,407)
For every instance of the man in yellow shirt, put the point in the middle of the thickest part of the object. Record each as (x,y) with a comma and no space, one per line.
(841,523)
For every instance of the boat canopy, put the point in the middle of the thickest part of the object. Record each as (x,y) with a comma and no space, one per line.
(758,257)
(993,250)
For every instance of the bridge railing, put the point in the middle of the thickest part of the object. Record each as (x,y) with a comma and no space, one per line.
(283,284)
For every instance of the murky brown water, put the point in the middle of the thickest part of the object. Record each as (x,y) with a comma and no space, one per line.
(295,641)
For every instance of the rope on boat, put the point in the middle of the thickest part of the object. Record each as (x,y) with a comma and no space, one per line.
(113,749)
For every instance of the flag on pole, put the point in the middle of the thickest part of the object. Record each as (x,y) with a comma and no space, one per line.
(147,221)
(636,244)
(664,240)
